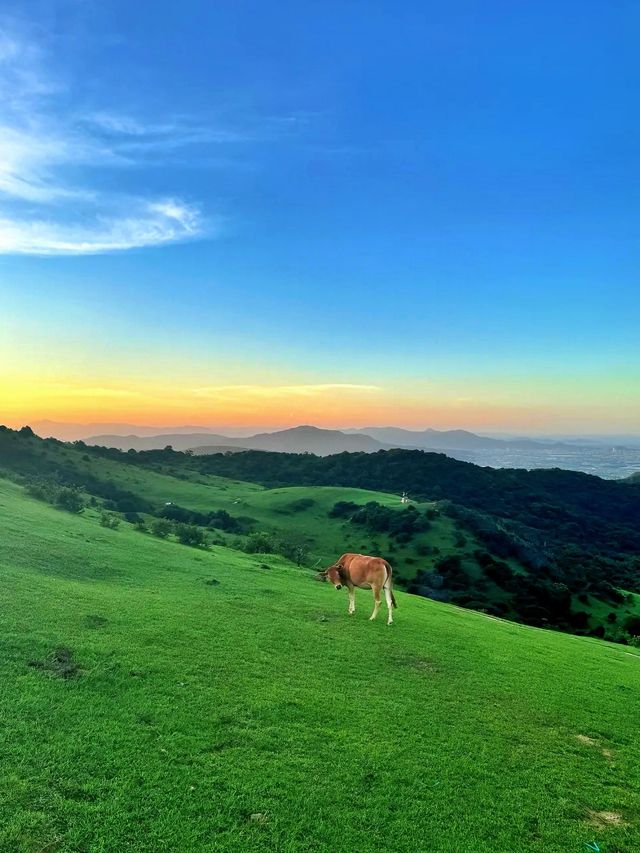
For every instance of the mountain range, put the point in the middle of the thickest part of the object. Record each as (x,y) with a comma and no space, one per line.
(322,442)
(74,432)
(300,439)
(593,455)
(433,439)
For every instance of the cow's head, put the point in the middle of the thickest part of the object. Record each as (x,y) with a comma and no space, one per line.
(334,575)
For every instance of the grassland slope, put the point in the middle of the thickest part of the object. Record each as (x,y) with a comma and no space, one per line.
(475,559)
(301,513)
(160,698)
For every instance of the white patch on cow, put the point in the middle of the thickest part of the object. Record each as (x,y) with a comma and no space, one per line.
(352,601)
(376,607)
(387,595)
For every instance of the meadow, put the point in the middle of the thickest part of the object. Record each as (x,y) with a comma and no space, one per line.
(300,512)
(157,697)
(482,561)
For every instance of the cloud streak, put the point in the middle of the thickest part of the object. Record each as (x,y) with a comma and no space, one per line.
(48,157)
(154,224)
(270,391)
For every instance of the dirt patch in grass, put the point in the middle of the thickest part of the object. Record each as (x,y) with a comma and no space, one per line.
(95,621)
(59,664)
(604,819)
(589,741)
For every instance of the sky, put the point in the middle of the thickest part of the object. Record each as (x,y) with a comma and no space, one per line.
(346,213)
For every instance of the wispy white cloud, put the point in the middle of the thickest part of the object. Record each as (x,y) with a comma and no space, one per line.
(64,389)
(151,224)
(270,391)
(49,204)
(128,133)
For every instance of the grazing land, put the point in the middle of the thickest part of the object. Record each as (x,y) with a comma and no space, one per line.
(300,513)
(509,543)
(158,697)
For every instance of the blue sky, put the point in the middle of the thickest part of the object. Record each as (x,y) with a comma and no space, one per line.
(436,200)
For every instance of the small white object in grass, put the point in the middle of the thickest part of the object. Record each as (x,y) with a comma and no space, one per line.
(258,817)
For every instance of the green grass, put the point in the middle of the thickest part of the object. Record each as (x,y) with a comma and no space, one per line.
(198,705)
(273,510)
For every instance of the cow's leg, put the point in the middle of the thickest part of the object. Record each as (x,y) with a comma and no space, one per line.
(352,600)
(387,595)
(376,601)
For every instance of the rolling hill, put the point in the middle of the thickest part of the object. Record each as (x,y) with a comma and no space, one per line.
(297,514)
(507,543)
(158,697)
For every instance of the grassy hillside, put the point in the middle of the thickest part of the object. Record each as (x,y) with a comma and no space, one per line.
(300,512)
(160,698)
(485,562)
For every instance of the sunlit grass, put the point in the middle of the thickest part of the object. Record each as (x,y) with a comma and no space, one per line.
(254,714)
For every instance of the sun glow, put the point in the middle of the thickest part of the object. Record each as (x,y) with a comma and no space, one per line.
(328,404)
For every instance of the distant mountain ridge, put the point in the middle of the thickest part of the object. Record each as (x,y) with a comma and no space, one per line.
(322,442)
(302,439)
(179,441)
(433,439)
(73,431)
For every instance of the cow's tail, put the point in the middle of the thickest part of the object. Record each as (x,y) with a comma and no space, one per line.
(388,584)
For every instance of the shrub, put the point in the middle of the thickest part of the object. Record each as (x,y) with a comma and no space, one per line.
(295,551)
(342,509)
(301,504)
(70,499)
(109,520)
(161,527)
(189,534)
(618,636)
(291,548)
(579,619)
(42,489)
(49,489)
(260,543)
(632,625)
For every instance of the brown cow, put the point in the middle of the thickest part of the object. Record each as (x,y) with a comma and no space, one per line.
(357,570)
